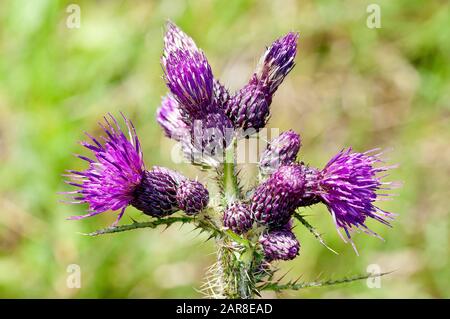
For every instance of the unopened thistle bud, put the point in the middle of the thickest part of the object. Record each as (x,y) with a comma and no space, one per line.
(194,112)
(276,199)
(238,217)
(279,245)
(281,151)
(277,62)
(189,76)
(192,196)
(175,39)
(249,108)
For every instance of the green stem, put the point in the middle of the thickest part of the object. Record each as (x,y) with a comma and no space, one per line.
(233,269)
(230,182)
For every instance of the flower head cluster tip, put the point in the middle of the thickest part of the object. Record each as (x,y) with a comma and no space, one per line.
(194,110)
(117,178)
(198,99)
(277,62)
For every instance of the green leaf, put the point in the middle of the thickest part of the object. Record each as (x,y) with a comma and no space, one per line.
(313,231)
(168,221)
(295,285)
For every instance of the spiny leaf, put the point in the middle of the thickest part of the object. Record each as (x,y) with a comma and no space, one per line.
(133,220)
(295,285)
(168,221)
(313,231)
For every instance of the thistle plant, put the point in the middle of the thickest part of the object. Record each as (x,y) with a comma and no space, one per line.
(252,228)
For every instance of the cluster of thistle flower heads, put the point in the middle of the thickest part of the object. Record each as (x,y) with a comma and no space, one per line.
(201,114)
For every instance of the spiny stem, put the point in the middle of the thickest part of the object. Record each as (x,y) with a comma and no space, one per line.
(233,268)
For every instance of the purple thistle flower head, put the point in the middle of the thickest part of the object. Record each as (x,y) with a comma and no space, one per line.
(276,199)
(117,178)
(279,245)
(189,76)
(249,108)
(277,62)
(169,117)
(281,151)
(111,178)
(349,185)
(238,217)
(190,79)
(192,197)
(156,194)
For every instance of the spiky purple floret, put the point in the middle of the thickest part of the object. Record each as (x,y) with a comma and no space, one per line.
(277,62)
(156,194)
(349,186)
(238,217)
(190,79)
(279,245)
(192,197)
(111,178)
(276,199)
(249,108)
(281,151)
(169,117)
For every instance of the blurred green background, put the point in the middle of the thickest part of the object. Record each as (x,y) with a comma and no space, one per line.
(386,87)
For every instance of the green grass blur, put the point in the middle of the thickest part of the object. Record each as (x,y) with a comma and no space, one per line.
(352,86)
